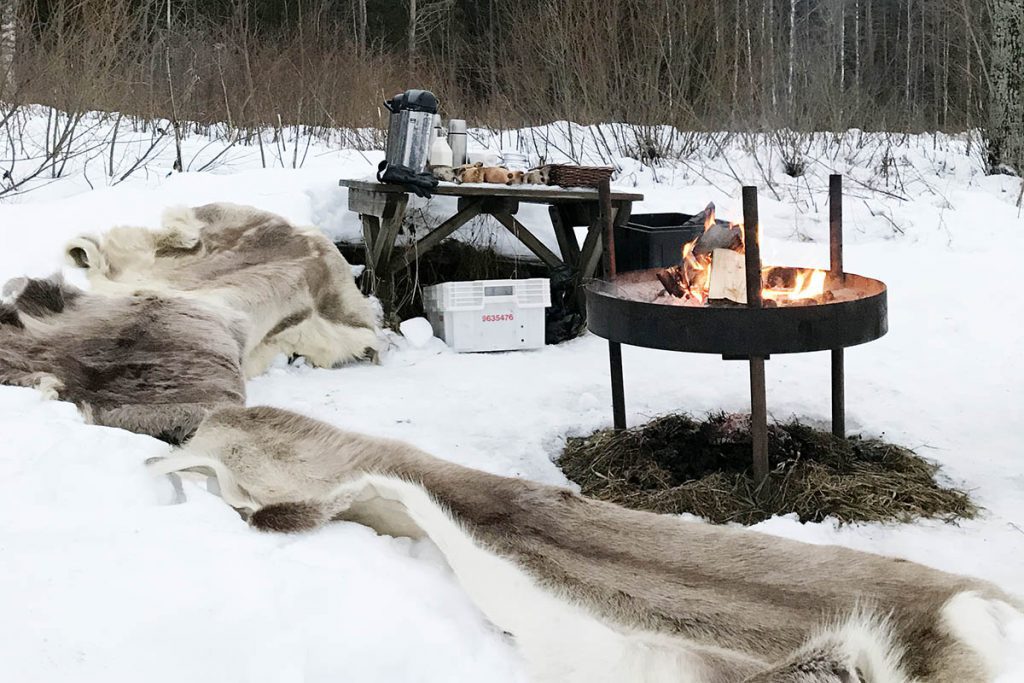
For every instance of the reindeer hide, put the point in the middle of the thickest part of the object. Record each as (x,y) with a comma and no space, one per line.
(143,363)
(292,286)
(595,592)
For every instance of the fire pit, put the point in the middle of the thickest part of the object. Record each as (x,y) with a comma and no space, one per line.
(743,312)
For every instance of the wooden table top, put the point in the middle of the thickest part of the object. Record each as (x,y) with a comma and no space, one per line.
(542,194)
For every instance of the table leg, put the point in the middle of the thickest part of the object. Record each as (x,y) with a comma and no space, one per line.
(371,230)
(593,245)
(529,239)
(435,236)
(380,235)
(565,235)
(590,255)
(391,223)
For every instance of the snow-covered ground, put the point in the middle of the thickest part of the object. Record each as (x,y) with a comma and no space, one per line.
(100,581)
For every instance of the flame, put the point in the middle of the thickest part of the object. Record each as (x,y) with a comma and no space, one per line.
(785,286)
(808,284)
(696,273)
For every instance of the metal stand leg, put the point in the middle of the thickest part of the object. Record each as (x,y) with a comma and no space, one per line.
(758,419)
(618,393)
(838,394)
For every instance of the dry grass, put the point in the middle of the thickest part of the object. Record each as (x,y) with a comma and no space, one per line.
(677,464)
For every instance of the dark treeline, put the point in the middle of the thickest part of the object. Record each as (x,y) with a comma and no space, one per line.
(747,64)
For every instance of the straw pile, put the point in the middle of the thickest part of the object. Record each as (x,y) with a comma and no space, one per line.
(677,464)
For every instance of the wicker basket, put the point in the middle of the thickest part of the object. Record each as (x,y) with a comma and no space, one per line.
(566,175)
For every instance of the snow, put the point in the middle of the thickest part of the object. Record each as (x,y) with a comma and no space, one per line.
(417,331)
(101,580)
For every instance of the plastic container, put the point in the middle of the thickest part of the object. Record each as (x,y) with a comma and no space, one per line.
(515,161)
(653,240)
(440,152)
(489,315)
(483,156)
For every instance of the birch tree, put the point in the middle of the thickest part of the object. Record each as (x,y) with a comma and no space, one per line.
(8,42)
(412,35)
(1006,99)
(792,50)
(359,18)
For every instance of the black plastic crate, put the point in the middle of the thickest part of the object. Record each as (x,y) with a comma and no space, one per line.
(653,240)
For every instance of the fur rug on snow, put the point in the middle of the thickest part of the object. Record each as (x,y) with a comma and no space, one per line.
(593,592)
(293,288)
(148,364)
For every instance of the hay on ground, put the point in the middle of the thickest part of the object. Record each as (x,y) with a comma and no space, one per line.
(677,464)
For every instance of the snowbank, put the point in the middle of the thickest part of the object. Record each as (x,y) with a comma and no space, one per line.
(100,581)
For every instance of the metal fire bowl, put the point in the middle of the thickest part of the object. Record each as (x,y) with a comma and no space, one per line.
(738,331)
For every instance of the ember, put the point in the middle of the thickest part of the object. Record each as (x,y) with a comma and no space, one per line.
(709,273)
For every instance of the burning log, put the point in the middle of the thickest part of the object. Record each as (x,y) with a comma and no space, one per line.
(689,279)
(728,279)
(720,235)
(713,270)
(672,279)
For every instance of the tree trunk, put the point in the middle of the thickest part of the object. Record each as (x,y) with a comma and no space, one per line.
(906,82)
(771,55)
(750,48)
(361,26)
(735,60)
(792,51)
(856,50)
(412,35)
(1006,105)
(8,43)
(842,46)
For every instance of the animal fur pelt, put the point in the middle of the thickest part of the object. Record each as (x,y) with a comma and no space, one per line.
(292,285)
(143,363)
(595,592)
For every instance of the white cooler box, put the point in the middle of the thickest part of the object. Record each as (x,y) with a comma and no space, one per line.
(489,315)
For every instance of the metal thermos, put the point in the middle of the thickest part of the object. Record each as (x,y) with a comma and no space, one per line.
(409,129)
(457,141)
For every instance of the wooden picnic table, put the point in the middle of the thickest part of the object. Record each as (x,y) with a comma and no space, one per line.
(381,208)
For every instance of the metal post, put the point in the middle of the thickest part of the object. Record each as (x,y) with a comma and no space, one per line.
(758,419)
(835,224)
(618,392)
(838,394)
(604,202)
(758,399)
(751,247)
(837,275)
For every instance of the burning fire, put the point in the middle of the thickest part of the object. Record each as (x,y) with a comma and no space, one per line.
(696,274)
(809,283)
(690,281)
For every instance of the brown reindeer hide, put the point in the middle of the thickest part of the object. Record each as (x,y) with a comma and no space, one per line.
(145,363)
(292,286)
(738,605)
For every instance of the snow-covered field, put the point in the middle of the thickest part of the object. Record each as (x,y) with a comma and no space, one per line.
(101,581)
